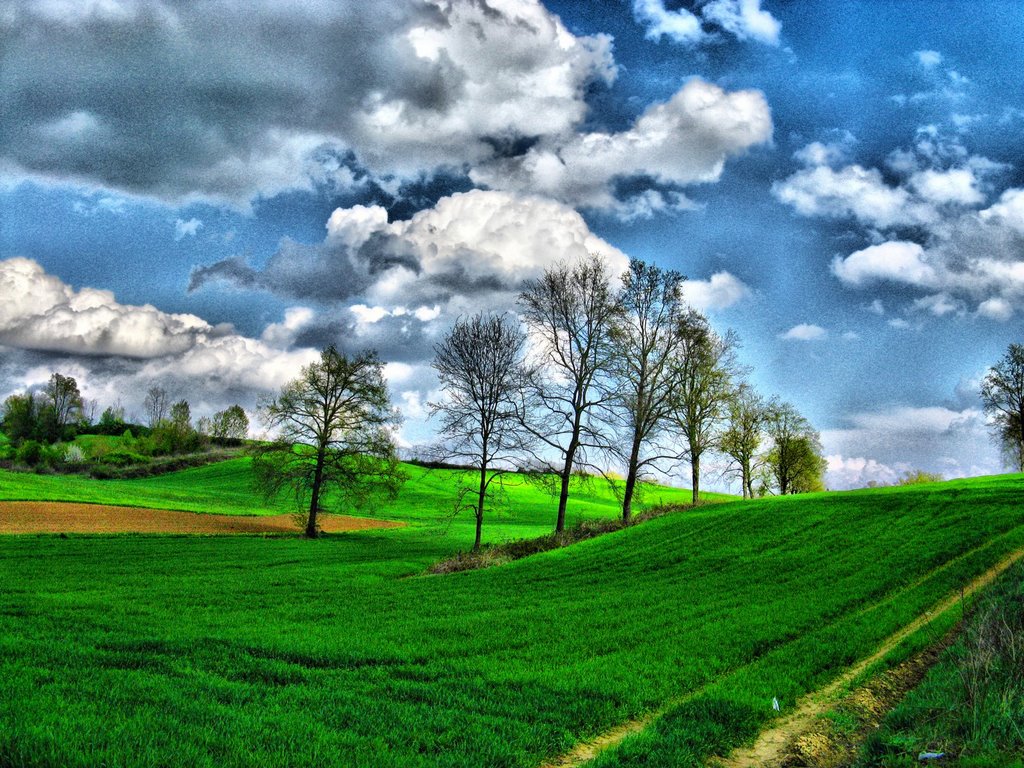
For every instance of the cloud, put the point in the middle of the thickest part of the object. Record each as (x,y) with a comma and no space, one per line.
(931,231)
(685,140)
(844,472)
(895,261)
(804,332)
(402,282)
(744,19)
(188,228)
(936,177)
(953,442)
(400,88)
(41,312)
(721,291)
(118,350)
(928,59)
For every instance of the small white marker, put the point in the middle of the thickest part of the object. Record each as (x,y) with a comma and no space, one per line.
(775,704)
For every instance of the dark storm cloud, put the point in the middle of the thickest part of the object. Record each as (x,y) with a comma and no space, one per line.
(227,100)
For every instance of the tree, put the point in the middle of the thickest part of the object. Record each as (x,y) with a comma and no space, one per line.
(746,414)
(706,368)
(795,461)
(63,395)
(156,403)
(231,424)
(648,335)
(333,428)
(1002,395)
(569,313)
(21,412)
(480,367)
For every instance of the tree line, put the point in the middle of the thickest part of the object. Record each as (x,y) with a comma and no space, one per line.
(41,426)
(596,371)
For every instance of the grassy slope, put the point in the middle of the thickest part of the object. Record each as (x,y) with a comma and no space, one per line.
(425,500)
(247,651)
(971,703)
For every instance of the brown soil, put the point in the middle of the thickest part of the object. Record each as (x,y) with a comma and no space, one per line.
(61,517)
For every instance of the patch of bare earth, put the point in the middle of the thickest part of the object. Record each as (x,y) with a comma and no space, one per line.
(65,517)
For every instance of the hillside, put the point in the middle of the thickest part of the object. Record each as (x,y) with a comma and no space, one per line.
(233,651)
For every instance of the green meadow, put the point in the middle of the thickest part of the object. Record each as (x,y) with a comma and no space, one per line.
(249,651)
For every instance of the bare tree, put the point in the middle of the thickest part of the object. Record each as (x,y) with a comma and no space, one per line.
(480,367)
(1002,395)
(648,334)
(156,405)
(747,413)
(63,396)
(706,368)
(795,460)
(334,431)
(569,313)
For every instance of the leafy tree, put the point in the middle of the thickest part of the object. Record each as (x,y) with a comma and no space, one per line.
(63,396)
(333,424)
(795,462)
(21,413)
(111,420)
(1002,394)
(231,424)
(649,334)
(706,369)
(569,313)
(741,440)
(480,367)
(918,476)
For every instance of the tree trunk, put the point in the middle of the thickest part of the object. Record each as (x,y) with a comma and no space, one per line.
(314,500)
(563,495)
(695,476)
(631,473)
(480,508)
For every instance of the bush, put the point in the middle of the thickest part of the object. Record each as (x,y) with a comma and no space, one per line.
(122,458)
(30,453)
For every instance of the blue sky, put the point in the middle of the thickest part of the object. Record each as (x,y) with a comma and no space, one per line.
(200,196)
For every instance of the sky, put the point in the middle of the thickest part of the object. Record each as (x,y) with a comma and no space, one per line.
(202,195)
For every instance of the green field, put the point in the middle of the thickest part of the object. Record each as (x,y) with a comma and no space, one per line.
(230,651)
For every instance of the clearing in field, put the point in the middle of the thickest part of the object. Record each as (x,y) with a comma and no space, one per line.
(66,517)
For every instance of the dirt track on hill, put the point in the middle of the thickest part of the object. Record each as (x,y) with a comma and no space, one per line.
(63,517)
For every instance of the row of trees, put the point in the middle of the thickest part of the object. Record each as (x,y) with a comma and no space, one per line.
(58,413)
(595,371)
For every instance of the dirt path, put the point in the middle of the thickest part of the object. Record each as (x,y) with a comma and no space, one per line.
(770,747)
(62,517)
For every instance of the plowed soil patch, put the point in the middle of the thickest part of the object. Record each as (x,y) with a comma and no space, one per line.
(60,517)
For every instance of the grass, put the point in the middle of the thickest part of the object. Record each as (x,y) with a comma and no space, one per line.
(236,651)
(425,501)
(970,705)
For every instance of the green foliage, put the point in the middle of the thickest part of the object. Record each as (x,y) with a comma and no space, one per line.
(334,434)
(234,651)
(29,453)
(919,476)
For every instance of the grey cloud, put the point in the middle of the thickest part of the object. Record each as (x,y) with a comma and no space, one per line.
(227,100)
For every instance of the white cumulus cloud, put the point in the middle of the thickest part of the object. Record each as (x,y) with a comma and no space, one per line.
(804,332)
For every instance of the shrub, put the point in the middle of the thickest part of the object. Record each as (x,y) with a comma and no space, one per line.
(73,454)
(29,454)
